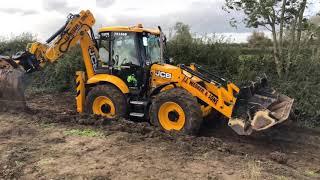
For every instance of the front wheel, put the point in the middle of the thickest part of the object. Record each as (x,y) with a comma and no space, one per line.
(176,110)
(107,101)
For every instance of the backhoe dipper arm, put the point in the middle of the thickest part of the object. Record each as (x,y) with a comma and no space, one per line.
(78,28)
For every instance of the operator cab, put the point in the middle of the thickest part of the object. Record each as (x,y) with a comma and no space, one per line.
(128,52)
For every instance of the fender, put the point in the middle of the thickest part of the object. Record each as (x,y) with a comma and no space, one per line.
(158,89)
(110,79)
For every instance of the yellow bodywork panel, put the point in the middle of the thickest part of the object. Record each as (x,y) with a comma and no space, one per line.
(75,28)
(217,97)
(110,79)
(80,98)
(89,53)
(168,87)
(137,28)
(38,49)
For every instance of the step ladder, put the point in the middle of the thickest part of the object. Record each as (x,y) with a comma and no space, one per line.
(138,108)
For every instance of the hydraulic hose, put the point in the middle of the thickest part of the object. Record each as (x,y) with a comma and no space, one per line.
(57,33)
(70,16)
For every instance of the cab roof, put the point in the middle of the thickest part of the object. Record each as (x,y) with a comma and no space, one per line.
(137,28)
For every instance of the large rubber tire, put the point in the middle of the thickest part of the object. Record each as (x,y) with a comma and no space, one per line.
(189,105)
(110,92)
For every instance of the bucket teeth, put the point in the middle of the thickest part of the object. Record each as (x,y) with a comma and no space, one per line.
(240,127)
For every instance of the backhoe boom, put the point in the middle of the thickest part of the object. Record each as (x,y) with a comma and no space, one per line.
(77,29)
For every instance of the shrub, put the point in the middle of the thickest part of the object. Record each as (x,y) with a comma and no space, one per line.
(10,46)
(217,57)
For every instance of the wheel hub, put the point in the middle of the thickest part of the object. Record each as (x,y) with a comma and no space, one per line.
(104,106)
(171,116)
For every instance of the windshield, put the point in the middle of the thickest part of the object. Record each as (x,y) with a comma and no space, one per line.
(120,50)
(153,48)
(124,49)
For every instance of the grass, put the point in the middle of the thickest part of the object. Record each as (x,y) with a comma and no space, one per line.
(254,170)
(311,173)
(281,178)
(46,125)
(83,133)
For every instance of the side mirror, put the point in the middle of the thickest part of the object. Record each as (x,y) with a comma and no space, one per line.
(116,58)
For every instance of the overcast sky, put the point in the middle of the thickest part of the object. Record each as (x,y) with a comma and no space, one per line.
(44,17)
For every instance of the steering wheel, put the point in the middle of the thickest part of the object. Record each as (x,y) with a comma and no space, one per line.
(116,59)
(124,61)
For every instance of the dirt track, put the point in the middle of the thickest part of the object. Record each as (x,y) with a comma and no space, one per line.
(53,142)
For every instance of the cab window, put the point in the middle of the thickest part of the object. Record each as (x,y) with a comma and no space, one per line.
(152,47)
(124,50)
(104,50)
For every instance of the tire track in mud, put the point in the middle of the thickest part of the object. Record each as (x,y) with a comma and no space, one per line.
(127,133)
(211,136)
(140,130)
(221,137)
(51,108)
(283,151)
(225,145)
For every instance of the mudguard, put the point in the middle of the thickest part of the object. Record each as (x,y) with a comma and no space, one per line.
(110,79)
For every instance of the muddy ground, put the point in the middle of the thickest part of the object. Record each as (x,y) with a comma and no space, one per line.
(51,141)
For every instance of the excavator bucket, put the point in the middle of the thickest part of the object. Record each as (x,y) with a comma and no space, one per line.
(259,107)
(11,85)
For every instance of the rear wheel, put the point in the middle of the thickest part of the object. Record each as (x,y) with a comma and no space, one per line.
(107,101)
(176,110)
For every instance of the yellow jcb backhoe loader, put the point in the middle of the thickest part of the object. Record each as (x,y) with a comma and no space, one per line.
(127,76)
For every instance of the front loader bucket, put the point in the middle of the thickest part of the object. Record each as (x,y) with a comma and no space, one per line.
(258,108)
(12,89)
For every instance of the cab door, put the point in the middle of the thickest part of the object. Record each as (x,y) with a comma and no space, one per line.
(126,59)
